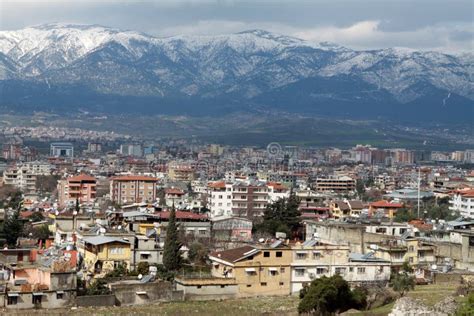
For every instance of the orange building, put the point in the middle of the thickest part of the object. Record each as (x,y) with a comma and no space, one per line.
(81,187)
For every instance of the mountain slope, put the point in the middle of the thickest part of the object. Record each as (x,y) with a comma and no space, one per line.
(59,66)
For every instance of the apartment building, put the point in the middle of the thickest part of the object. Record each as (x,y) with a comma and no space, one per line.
(23,176)
(462,201)
(63,150)
(180,172)
(243,198)
(220,199)
(80,188)
(413,251)
(283,268)
(335,184)
(133,189)
(313,259)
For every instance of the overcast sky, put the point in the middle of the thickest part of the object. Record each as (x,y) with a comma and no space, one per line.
(362,24)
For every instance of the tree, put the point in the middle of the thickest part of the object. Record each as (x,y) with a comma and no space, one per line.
(281,216)
(13,227)
(36,217)
(171,254)
(197,253)
(326,296)
(38,232)
(402,283)
(143,268)
(97,287)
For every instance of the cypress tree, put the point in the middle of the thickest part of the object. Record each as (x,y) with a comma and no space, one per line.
(171,253)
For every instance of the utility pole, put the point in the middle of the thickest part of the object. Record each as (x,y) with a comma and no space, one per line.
(419,184)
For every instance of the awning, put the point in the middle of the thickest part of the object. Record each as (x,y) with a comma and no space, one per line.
(141,293)
(145,253)
(59,292)
(272,269)
(38,293)
(250,270)
(13,294)
(314,251)
(302,252)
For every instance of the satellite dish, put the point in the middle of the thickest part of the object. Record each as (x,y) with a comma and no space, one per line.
(56,213)
(119,227)
(140,276)
(102,230)
(261,240)
(434,267)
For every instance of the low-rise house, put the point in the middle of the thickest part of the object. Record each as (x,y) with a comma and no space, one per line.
(386,208)
(257,271)
(232,229)
(102,254)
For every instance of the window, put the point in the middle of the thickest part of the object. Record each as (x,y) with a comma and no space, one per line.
(279,254)
(144,256)
(199,286)
(361,270)
(411,248)
(59,296)
(281,283)
(282,270)
(351,269)
(116,251)
(316,255)
(37,299)
(266,254)
(249,285)
(222,286)
(272,272)
(300,255)
(410,259)
(12,300)
(263,284)
(299,272)
(340,270)
(320,270)
(202,232)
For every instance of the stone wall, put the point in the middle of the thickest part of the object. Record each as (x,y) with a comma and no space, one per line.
(134,293)
(96,300)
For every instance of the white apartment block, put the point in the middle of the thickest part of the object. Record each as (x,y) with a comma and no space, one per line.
(463,202)
(23,176)
(243,198)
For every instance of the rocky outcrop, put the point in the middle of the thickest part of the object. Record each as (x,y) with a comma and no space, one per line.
(407,306)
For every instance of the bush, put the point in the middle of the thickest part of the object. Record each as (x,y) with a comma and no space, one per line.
(97,287)
(326,296)
(143,268)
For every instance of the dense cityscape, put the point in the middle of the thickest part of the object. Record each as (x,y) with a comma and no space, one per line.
(209,157)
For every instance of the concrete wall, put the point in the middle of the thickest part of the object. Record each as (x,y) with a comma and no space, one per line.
(96,300)
(49,299)
(126,292)
(353,235)
(207,288)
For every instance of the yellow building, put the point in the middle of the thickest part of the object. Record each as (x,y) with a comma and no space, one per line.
(397,252)
(103,254)
(257,271)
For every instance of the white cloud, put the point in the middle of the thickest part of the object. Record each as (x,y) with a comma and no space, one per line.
(361,35)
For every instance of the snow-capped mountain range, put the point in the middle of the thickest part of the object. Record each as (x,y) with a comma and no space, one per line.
(47,63)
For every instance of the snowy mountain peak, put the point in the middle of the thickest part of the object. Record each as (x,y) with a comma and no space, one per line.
(248,63)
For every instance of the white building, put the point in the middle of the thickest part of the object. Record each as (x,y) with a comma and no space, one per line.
(220,199)
(463,202)
(313,261)
(23,176)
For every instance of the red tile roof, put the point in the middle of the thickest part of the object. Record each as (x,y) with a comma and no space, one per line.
(180,215)
(277,185)
(174,191)
(134,178)
(233,255)
(81,177)
(385,204)
(217,185)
